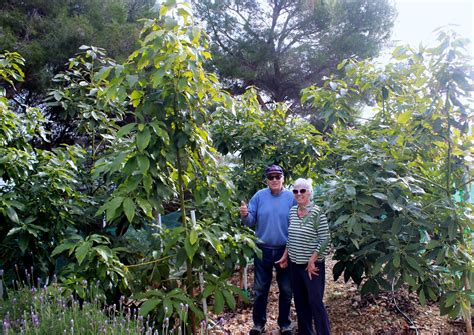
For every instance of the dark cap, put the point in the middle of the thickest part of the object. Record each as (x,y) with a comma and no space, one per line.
(273,169)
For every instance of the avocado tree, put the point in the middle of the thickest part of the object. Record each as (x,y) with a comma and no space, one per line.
(39,195)
(252,138)
(391,183)
(150,116)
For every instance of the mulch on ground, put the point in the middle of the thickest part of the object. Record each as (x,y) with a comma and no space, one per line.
(351,314)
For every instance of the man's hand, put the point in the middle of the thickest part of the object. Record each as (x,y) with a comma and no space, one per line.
(244,211)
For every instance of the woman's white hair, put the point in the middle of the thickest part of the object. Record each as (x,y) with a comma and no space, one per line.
(304,183)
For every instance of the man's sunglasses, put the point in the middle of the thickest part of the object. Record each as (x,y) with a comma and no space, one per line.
(275,177)
(302,191)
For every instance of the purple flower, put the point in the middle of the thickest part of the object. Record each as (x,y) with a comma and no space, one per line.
(1,272)
(6,324)
(35,320)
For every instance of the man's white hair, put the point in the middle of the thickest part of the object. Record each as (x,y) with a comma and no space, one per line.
(304,183)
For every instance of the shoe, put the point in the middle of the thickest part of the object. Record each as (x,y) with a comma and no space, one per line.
(286,331)
(257,330)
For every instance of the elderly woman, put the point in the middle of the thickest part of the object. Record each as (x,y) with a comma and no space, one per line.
(308,236)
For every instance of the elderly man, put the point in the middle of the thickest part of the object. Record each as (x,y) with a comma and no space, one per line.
(268,210)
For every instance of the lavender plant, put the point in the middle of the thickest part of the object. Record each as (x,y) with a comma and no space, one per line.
(40,309)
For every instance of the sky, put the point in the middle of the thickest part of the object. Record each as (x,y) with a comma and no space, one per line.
(418,18)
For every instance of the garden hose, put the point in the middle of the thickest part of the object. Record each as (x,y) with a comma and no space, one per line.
(409,321)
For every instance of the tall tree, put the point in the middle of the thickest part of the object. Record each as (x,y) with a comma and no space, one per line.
(282,46)
(48,32)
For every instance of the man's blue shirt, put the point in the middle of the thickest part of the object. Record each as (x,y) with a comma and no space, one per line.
(270,214)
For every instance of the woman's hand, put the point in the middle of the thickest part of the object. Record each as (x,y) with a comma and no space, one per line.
(283,261)
(311,268)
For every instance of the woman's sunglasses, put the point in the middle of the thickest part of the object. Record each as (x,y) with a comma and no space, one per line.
(275,177)
(302,191)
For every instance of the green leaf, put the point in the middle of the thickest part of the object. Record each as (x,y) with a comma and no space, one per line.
(125,130)
(145,206)
(450,299)
(409,279)
(112,207)
(82,250)
(103,73)
(190,251)
(147,183)
(193,237)
(131,79)
(135,97)
(218,302)
(62,247)
(129,209)
(380,196)
(413,263)
(396,226)
(14,231)
(396,260)
(148,306)
(338,269)
(169,306)
(367,218)
(143,163)
(23,242)
(12,215)
(229,298)
(104,252)
(370,286)
(341,219)
(208,290)
(132,183)
(350,190)
(117,162)
(421,297)
(143,139)
(404,117)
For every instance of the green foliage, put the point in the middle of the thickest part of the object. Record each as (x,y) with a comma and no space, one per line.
(391,182)
(38,197)
(153,146)
(31,309)
(94,259)
(253,138)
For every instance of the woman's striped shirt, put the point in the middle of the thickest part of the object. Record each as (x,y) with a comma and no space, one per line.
(307,235)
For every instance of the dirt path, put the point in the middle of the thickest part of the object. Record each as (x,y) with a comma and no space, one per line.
(349,314)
